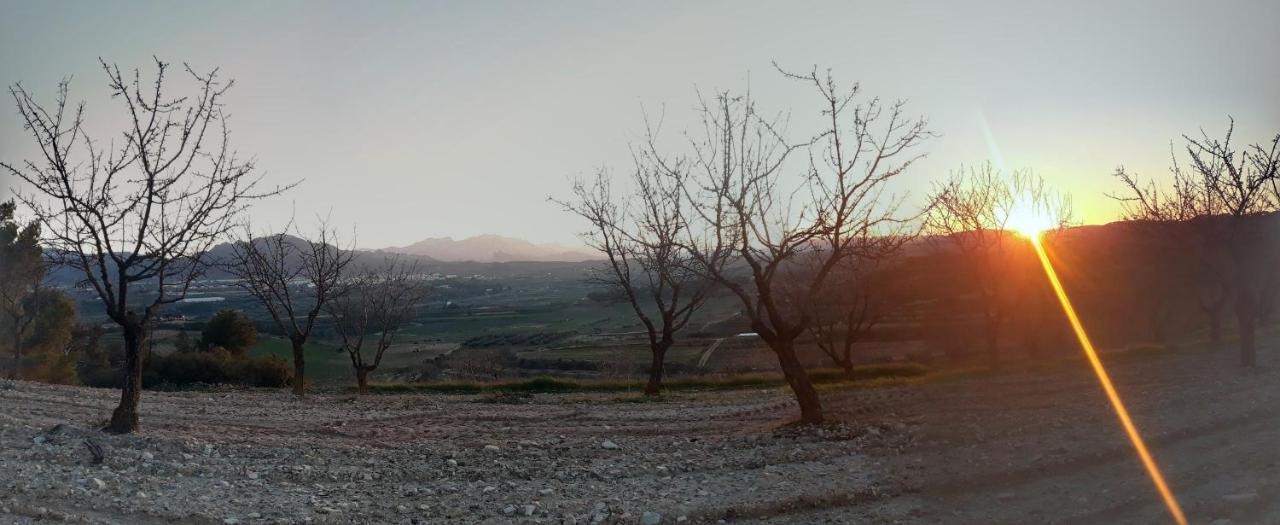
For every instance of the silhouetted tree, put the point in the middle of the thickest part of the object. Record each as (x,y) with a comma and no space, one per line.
(973,214)
(144,209)
(1224,198)
(862,292)
(639,235)
(774,247)
(292,278)
(376,305)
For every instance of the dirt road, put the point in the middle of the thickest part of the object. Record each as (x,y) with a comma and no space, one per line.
(1024,446)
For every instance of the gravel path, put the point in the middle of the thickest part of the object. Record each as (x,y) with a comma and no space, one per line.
(261,457)
(1038,445)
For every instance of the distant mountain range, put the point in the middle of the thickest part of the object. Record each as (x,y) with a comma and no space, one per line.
(492,248)
(490,255)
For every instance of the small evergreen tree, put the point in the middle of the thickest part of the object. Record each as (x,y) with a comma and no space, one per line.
(232,330)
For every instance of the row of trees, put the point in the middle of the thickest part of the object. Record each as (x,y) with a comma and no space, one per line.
(1216,209)
(816,257)
(720,211)
(142,211)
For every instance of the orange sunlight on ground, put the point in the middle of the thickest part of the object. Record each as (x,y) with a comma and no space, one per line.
(1033,231)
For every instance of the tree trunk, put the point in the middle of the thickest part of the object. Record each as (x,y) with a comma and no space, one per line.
(847,365)
(654,387)
(798,379)
(14,371)
(1215,327)
(362,380)
(992,333)
(299,369)
(1245,322)
(124,419)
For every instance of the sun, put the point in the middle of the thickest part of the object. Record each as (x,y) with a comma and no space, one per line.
(1029,218)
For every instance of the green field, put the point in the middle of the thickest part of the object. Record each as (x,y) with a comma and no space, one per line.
(635,354)
(325,364)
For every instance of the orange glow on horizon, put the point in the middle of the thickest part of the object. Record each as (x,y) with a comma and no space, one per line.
(1134,437)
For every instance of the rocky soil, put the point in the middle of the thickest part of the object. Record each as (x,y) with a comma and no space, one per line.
(264,457)
(1030,445)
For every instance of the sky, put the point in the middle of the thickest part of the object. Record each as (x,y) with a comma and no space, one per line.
(409,120)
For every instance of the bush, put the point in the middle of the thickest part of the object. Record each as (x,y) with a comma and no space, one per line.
(230,329)
(215,367)
(267,372)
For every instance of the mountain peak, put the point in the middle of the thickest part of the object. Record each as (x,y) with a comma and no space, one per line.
(492,248)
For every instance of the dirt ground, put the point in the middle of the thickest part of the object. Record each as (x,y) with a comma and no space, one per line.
(1023,446)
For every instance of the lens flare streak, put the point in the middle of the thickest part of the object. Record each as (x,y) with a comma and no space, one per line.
(1134,437)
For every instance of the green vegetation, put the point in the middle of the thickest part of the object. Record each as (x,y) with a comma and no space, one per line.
(551,385)
(231,330)
(325,364)
(215,367)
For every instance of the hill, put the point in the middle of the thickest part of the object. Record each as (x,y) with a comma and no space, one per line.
(492,248)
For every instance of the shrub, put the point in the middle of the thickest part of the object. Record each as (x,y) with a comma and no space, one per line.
(215,367)
(230,329)
(267,372)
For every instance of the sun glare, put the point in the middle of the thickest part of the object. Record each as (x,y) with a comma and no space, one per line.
(1135,438)
(1029,219)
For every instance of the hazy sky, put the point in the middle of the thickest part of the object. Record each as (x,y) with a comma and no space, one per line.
(414,120)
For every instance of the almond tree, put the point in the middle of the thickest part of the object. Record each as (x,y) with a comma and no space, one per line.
(293,278)
(972,214)
(773,245)
(135,218)
(863,291)
(1224,200)
(376,305)
(639,236)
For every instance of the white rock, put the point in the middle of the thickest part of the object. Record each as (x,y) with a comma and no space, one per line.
(492,448)
(650,518)
(529,509)
(609,445)
(1244,497)
(451,463)
(147,456)
(509,510)
(230,521)
(98,484)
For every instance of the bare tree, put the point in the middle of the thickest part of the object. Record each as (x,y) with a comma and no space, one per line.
(1224,199)
(137,217)
(378,303)
(774,247)
(293,278)
(862,292)
(644,258)
(974,212)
